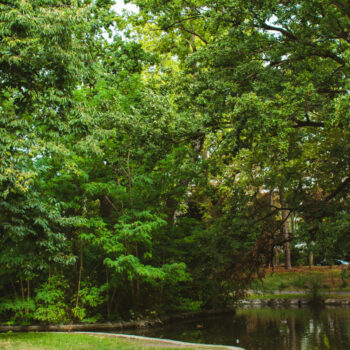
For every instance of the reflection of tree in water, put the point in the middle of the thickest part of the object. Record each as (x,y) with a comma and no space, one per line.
(268,329)
(302,329)
(294,329)
(292,332)
(328,329)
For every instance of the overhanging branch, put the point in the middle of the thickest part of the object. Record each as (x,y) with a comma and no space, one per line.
(339,189)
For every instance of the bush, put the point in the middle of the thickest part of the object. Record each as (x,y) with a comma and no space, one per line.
(17,310)
(50,302)
(313,287)
(301,282)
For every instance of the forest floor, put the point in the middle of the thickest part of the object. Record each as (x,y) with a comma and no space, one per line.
(64,341)
(330,282)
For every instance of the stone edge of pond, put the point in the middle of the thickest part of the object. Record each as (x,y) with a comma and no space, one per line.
(114,326)
(293,302)
(164,341)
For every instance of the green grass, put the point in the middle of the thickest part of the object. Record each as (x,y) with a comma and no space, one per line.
(275,296)
(300,278)
(287,296)
(62,341)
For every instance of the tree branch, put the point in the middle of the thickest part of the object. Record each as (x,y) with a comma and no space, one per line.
(179,22)
(304,123)
(339,189)
(280,30)
(195,34)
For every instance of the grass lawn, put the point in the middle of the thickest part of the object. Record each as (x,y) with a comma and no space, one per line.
(62,341)
(335,279)
(271,296)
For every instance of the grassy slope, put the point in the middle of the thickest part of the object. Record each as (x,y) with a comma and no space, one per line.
(328,280)
(57,341)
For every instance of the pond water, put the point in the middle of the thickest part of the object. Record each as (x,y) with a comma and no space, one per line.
(267,329)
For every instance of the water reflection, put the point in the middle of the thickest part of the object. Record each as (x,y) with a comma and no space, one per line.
(268,329)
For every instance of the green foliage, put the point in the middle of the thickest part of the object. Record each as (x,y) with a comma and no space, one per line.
(313,287)
(17,310)
(155,171)
(50,304)
(301,281)
(344,275)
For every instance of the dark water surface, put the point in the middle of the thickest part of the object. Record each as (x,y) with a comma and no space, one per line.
(267,329)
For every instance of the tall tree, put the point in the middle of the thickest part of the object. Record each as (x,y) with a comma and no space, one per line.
(43,61)
(265,84)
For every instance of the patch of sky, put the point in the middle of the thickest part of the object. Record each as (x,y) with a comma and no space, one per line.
(120,8)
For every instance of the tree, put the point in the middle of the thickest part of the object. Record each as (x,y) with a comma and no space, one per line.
(43,60)
(266,86)
(160,172)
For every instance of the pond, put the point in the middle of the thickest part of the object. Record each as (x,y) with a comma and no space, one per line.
(267,329)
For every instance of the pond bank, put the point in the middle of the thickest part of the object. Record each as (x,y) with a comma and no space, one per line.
(292,298)
(115,326)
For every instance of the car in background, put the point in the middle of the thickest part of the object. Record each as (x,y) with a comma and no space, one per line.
(328,262)
(341,262)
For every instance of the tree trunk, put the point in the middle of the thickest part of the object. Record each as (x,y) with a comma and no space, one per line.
(133,296)
(28,290)
(22,289)
(14,289)
(137,294)
(311,258)
(79,277)
(275,259)
(108,301)
(285,234)
(129,180)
